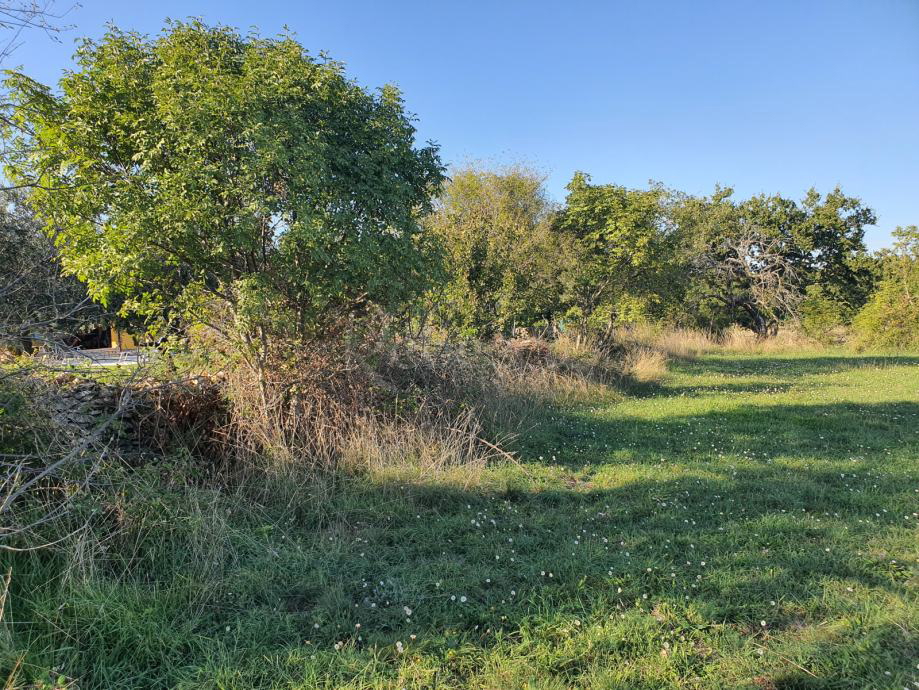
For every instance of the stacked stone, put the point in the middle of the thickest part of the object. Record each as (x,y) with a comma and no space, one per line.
(79,407)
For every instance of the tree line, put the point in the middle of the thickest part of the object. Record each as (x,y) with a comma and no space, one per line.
(204,177)
(611,256)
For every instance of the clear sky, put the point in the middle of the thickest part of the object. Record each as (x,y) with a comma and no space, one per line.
(764,96)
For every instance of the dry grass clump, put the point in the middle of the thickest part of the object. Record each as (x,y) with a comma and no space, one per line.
(187,413)
(674,343)
(567,370)
(361,406)
(426,440)
(737,339)
(689,343)
(381,403)
(684,343)
(368,403)
(645,364)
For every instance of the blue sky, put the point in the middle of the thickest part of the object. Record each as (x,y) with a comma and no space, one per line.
(764,96)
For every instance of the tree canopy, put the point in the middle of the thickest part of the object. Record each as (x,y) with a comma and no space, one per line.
(201,170)
(776,248)
(501,258)
(623,249)
(612,256)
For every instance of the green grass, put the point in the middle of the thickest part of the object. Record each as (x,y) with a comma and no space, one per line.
(750,522)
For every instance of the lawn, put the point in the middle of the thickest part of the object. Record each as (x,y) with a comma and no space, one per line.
(748,522)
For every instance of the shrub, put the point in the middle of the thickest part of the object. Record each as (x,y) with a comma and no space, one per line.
(821,317)
(891,317)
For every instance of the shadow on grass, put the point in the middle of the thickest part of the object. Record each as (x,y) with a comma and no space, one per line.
(657,389)
(791,365)
(734,388)
(704,556)
(704,559)
(835,432)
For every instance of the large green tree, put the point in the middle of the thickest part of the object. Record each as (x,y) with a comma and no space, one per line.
(206,174)
(824,236)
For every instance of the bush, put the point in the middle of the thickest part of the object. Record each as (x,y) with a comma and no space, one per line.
(821,317)
(891,317)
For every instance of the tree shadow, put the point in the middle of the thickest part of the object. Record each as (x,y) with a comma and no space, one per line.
(700,390)
(836,432)
(791,365)
(699,560)
(697,557)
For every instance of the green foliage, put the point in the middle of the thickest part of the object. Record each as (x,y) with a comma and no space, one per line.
(891,317)
(622,252)
(830,238)
(617,256)
(501,258)
(818,242)
(820,316)
(202,171)
(203,176)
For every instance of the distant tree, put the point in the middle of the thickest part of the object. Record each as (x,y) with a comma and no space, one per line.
(824,237)
(501,258)
(622,248)
(749,271)
(891,316)
(820,242)
(202,173)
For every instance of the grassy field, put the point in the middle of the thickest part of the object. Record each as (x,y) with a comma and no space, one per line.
(748,522)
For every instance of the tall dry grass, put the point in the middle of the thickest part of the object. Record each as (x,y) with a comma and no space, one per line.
(645,364)
(561,371)
(321,409)
(673,343)
(688,343)
(737,339)
(413,403)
